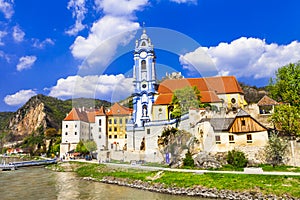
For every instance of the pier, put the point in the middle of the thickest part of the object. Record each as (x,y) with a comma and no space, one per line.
(15,165)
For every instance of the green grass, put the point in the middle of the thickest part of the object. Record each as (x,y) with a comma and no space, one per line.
(280,168)
(278,185)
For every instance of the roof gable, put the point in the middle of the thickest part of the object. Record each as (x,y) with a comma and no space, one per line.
(244,123)
(267,101)
(118,109)
(76,115)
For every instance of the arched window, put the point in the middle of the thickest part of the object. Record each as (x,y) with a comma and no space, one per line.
(143,63)
(143,43)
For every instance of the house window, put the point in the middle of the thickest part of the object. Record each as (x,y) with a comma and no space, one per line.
(111,146)
(99,136)
(66,125)
(249,138)
(75,125)
(126,120)
(218,139)
(109,136)
(109,121)
(125,136)
(233,100)
(109,129)
(115,129)
(115,121)
(100,130)
(231,139)
(75,133)
(100,122)
(66,133)
(148,131)
(121,121)
(243,123)
(115,136)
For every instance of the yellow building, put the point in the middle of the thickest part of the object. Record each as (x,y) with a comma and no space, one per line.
(118,116)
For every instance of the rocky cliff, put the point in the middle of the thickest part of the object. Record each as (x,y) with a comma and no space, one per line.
(40,110)
(44,111)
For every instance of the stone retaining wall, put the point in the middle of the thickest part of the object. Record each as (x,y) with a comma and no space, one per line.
(199,191)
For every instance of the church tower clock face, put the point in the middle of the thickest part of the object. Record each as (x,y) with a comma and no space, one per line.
(143,54)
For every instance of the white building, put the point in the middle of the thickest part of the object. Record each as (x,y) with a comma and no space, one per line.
(83,125)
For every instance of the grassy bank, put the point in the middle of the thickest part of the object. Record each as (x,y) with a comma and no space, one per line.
(278,185)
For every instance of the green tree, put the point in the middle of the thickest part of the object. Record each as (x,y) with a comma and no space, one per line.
(50,133)
(286,119)
(188,160)
(236,158)
(285,87)
(276,150)
(81,148)
(90,145)
(184,99)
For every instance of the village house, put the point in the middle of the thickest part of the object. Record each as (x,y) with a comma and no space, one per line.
(241,132)
(118,116)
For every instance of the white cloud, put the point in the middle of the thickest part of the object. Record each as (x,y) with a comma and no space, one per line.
(4,56)
(40,45)
(26,62)
(197,61)
(251,57)
(6,7)
(18,34)
(78,12)
(120,7)
(2,35)
(113,29)
(19,98)
(107,87)
(107,33)
(185,1)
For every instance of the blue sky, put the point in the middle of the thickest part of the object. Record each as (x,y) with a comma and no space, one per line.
(72,48)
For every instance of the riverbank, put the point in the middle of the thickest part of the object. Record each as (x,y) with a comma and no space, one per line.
(207,185)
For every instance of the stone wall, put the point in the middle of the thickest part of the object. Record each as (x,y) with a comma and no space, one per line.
(294,153)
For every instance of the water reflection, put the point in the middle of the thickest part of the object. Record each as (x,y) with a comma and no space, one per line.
(39,183)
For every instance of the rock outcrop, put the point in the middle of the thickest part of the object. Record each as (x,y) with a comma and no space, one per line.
(37,112)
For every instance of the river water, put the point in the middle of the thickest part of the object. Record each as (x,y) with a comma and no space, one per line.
(38,183)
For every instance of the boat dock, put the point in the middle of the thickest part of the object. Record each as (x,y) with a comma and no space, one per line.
(15,165)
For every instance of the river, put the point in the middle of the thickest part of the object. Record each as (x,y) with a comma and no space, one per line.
(43,184)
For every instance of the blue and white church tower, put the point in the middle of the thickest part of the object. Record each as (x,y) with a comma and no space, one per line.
(144,76)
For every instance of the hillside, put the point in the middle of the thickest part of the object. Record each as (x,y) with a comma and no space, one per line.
(4,119)
(252,93)
(42,111)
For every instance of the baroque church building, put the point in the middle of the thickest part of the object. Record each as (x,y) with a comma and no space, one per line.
(133,134)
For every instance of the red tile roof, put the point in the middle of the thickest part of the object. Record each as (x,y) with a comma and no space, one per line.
(86,115)
(267,101)
(164,99)
(219,84)
(76,115)
(206,97)
(209,88)
(101,112)
(118,109)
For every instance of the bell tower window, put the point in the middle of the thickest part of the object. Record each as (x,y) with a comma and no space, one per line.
(143,63)
(143,43)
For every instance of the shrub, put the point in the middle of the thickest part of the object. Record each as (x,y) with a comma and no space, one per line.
(188,160)
(276,149)
(236,159)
